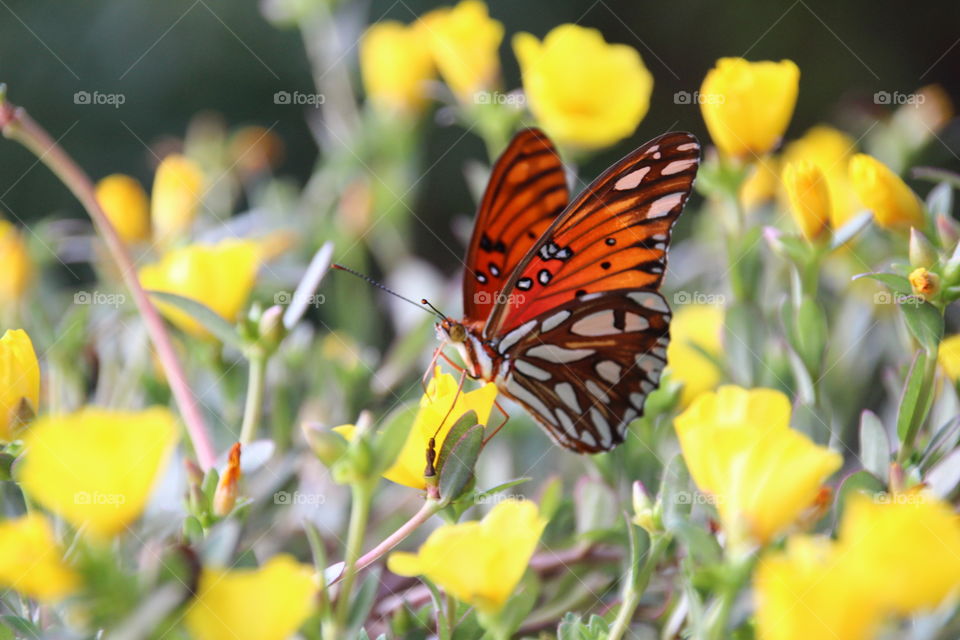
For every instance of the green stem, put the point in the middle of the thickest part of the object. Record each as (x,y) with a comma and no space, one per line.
(253,408)
(359,514)
(718,616)
(639,579)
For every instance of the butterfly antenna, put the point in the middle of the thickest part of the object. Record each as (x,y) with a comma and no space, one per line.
(378,285)
(426,302)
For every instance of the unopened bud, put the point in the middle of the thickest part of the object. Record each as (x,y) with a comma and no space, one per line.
(194,472)
(925,284)
(922,251)
(327,445)
(948,230)
(225,496)
(271,328)
(645,513)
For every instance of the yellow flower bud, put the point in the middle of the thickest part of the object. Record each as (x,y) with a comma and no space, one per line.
(225,497)
(830,150)
(925,284)
(19,379)
(177,192)
(125,203)
(922,252)
(747,105)
(15,263)
(894,204)
(585,92)
(464,42)
(696,330)
(809,197)
(396,64)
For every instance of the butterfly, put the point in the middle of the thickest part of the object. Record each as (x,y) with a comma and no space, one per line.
(561,304)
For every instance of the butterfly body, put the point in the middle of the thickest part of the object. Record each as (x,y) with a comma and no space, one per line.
(562,310)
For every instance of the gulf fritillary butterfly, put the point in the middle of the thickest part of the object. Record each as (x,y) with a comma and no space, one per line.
(561,303)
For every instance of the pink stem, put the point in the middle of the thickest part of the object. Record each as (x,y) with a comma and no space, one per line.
(18,125)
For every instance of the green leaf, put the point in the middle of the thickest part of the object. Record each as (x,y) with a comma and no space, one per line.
(916,398)
(676,495)
(389,441)
(210,319)
(940,199)
(362,602)
(699,542)
(858,482)
(459,456)
(21,626)
(895,282)
(874,445)
(521,603)
(551,497)
(924,321)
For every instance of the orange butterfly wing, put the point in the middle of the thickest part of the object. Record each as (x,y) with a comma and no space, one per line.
(526,192)
(614,236)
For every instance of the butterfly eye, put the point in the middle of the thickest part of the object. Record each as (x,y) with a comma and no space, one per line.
(458,333)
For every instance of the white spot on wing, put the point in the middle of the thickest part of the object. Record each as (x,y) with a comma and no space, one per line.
(650,366)
(664,205)
(649,300)
(514,336)
(631,180)
(555,320)
(677,166)
(637,399)
(528,369)
(634,322)
(688,146)
(603,427)
(587,438)
(595,324)
(533,402)
(597,392)
(566,422)
(609,371)
(553,353)
(566,393)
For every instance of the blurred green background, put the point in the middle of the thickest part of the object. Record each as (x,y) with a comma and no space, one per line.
(175,58)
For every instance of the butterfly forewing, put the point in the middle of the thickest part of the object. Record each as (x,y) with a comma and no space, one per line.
(526,192)
(584,368)
(614,235)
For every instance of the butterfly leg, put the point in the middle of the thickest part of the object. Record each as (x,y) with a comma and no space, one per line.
(506,417)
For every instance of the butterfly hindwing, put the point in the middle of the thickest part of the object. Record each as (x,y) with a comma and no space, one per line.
(584,368)
(614,235)
(526,192)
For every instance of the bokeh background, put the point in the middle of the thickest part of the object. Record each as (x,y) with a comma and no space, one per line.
(174,59)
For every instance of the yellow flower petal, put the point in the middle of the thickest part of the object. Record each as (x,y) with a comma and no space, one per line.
(761,184)
(219,276)
(464,42)
(125,203)
(31,560)
(396,64)
(893,203)
(809,197)
(19,378)
(16,264)
(269,603)
(177,193)
(829,150)
(585,92)
(747,105)
(96,468)
(479,563)
(695,329)
(949,356)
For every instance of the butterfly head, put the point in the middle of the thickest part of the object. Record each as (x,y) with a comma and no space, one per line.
(452,330)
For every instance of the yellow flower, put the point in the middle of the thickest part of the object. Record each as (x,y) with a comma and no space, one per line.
(585,92)
(464,41)
(829,150)
(761,184)
(396,64)
(19,379)
(220,276)
(269,603)
(747,105)
(125,203)
(809,196)
(696,329)
(740,449)
(435,405)
(894,204)
(925,284)
(805,592)
(31,561)
(905,548)
(479,563)
(97,467)
(177,192)
(949,356)
(16,265)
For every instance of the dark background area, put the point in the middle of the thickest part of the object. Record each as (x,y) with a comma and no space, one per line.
(175,58)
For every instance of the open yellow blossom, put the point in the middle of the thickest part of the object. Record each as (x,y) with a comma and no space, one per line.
(464,41)
(31,561)
(748,105)
(905,547)
(696,330)
(806,592)
(19,379)
(396,63)
(96,468)
(809,196)
(893,203)
(761,184)
(220,276)
(16,264)
(442,393)
(739,448)
(177,193)
(830,151)
(479,563)
(949,357)
(269,603)
(585,92)
(126,205)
